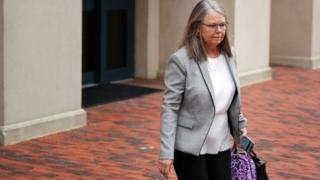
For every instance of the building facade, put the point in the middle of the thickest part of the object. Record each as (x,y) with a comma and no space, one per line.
(51,49)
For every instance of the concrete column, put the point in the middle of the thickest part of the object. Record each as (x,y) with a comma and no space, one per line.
(229,6)
(315,51)
(251,39)
(1,69)
(147,38)
(295,32)
(40,63)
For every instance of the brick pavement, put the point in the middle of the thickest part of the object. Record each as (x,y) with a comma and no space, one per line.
(121,139)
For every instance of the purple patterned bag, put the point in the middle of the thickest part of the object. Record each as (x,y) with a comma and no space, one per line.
(242,166)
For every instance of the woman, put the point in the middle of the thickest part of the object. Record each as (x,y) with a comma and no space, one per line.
(201,102)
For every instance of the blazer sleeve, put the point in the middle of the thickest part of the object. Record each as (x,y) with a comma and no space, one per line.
(174,81)
(243,122)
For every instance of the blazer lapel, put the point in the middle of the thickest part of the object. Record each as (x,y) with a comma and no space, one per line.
(206,76)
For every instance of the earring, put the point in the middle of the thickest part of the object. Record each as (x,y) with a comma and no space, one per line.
(198,34)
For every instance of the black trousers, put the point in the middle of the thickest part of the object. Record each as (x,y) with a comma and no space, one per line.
(203,167)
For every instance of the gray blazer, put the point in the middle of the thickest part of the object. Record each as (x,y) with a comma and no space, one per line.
(188,108)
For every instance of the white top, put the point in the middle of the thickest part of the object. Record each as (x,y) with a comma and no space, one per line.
(219,138)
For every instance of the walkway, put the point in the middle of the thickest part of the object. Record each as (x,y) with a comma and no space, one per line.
(121,139)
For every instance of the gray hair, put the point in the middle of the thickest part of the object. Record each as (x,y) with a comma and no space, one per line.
(191,40)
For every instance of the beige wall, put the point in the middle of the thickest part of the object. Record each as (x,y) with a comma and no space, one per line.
(291,28)
(42,68)
(173,20)
(294,32)
(174,15)
(253,65)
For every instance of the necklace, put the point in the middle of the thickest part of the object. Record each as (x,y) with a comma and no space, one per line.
(213,63)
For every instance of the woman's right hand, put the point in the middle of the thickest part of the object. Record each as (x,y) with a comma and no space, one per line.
(165,167)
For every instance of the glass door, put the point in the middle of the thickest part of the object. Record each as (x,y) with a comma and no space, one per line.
(117,39)
(107,40)
(90,44)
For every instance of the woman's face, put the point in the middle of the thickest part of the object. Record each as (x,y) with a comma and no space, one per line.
(212,29)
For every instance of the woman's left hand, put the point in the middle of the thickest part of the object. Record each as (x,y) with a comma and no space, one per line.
(244,132)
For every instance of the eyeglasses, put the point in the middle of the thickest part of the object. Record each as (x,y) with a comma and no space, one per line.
(214,26)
